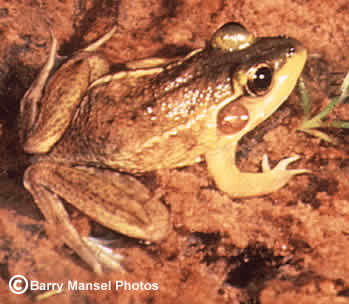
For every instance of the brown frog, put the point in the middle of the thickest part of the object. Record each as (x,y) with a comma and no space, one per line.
(90,129)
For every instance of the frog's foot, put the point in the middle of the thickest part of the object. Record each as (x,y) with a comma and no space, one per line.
(95,45)
(29,107)
(239,184)
(104,254)
(280,175)
(281,168)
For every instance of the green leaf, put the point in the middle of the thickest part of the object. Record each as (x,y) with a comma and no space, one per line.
(310,124)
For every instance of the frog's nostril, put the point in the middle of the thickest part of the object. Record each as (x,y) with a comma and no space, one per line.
(291,50)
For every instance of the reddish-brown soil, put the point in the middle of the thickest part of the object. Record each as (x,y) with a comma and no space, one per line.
(288,247)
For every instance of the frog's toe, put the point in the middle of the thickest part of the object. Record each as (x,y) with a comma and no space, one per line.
(265,163)
(104,254)
(281,167)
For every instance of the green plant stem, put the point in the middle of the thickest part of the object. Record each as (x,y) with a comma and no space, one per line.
(317,120)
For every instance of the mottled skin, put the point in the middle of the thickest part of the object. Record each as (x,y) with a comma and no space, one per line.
(84,123)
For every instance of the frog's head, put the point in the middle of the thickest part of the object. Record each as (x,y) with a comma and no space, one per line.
(266,73)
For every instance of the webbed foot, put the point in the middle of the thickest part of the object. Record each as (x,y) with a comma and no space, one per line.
(104,254)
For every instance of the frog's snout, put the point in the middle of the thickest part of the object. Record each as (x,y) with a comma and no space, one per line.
(297,49)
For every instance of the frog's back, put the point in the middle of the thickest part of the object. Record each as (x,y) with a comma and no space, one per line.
(148,122)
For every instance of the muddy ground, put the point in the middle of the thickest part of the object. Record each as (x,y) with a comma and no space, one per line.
(291,246)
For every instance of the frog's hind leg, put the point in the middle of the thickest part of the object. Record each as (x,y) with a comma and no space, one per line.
(49,105)
(95,45)
(120,204)
(56,215)
(101,249)
(29,103)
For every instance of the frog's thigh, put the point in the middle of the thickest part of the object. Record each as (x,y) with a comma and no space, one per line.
(102,198)
(63,93)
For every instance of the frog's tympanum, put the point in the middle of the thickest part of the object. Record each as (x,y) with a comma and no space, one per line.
(92,129)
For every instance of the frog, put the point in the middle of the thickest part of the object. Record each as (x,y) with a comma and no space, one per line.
(92,130)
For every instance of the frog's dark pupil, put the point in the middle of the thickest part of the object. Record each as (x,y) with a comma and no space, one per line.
(261,80)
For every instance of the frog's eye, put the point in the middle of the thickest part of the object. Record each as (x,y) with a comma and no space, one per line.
(259,79)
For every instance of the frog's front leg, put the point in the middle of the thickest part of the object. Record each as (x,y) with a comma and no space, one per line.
(49,105)
(228,178)
(118,202)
